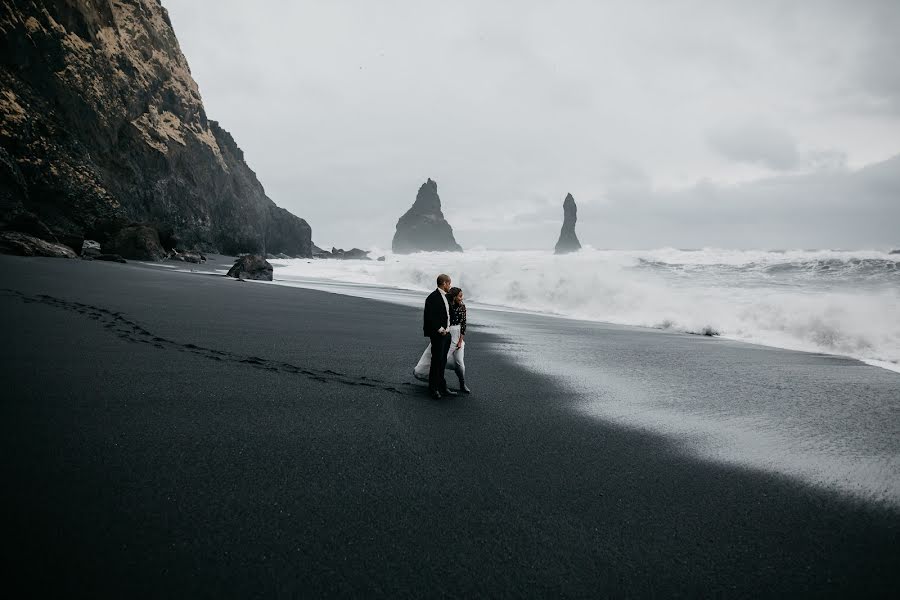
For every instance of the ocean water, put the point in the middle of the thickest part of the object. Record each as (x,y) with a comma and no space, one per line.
(836,302)
(824,422)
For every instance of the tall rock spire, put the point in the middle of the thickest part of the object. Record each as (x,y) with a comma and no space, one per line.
(568,241)
(423,227)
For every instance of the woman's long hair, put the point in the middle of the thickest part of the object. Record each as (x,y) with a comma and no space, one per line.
(452,293)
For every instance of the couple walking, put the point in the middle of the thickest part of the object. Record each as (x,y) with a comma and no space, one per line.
(445,325)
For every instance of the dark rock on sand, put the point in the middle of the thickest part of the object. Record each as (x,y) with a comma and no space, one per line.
(102,125)
(22,244)
(251,266)
(90,249)
(380,259)
(568,241)
(191,257)
(423,227)
(137,242)
(110,257)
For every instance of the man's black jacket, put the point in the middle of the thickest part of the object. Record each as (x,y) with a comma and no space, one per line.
(435,315)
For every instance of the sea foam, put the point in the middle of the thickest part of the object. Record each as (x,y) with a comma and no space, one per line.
(835,302)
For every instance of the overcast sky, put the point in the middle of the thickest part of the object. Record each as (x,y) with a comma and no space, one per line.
(687,124)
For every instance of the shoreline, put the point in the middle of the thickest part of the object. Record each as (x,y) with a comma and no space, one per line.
(241,440)
(344,287)
(717,440)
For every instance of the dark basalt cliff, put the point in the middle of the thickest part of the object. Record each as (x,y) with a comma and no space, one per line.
(423,227)
(102,125)
(568,241)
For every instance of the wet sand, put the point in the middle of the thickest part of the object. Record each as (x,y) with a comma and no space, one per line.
(173,434)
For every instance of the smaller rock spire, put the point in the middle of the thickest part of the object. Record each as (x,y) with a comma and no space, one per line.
(568,241)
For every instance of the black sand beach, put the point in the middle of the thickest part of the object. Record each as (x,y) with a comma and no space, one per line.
(169,434)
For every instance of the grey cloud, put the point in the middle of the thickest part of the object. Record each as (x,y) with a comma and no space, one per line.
(756,143)
(344,108)
(811,210)
(877,70)
(826,159)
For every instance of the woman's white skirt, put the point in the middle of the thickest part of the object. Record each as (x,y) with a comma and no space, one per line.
(424,365)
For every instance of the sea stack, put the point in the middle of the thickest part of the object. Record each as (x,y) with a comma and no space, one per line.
(423,228)
(102,128)
(568,241)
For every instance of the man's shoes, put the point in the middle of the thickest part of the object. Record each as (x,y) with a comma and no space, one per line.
(436,394)
(449,392)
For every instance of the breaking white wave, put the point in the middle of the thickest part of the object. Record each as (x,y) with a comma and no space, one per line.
(828,301)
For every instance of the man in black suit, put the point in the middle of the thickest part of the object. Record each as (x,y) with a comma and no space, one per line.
(436,327)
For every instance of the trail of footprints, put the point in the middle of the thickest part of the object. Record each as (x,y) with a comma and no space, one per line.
(128,330)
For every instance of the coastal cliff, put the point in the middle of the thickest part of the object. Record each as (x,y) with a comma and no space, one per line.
(423,227)
(102,125)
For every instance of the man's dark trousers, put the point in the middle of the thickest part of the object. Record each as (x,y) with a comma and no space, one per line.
(440,346)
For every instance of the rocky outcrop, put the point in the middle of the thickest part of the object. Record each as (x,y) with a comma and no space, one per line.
(137,242)
(109,258)
(423,227)
(191,257)
(568,241)
(341,254)
(102,125)
(21,244)
(251,266)
(90,249)
(352,254)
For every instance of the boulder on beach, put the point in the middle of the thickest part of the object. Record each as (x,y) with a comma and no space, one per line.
(423,227)
(568,241)
(191,257)
(137,242)
(90,248)
(251,266)
(108,257)
(22,244)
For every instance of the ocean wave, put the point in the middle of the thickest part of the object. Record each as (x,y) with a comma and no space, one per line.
(825,270)
(803,300)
